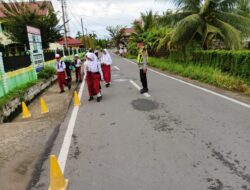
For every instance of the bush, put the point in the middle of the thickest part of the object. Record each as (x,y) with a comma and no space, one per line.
(47,73)
(17,92)
(202,73)
(236,63)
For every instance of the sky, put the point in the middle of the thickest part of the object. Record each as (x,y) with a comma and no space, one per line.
(98,14)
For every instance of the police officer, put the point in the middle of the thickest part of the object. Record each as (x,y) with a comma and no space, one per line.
(142,61)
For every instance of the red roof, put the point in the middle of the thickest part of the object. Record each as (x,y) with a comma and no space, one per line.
(34,6)
(128,31)
(70,41)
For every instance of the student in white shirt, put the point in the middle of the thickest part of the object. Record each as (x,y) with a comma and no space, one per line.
(61,72)
(106,62)
(78,66)
(93,75)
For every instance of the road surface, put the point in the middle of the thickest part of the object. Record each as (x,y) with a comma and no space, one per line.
(176,137)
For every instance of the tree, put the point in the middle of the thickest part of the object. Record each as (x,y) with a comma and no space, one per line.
(115,34)
(243,7)
(146,31)
(204,21)
(19,15)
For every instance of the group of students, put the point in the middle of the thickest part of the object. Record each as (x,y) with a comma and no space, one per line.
(97,68)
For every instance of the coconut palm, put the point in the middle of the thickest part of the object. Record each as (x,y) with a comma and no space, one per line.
(204,21)
(146,30)
(243,7)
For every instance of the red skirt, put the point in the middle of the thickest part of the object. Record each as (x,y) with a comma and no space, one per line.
(106,69)
(93,82)
(61,80)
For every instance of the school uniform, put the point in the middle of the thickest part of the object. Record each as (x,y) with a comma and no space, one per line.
(68,74)
(93,76)
(106,67)
(78,65)
(60,68)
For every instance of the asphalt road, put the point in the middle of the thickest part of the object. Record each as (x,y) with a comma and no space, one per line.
(177,138)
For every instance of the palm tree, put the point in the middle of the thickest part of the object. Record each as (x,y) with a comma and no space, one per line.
(146,29)
(204,21)
(243,7)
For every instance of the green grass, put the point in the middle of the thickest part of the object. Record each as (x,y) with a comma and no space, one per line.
(47,72)
(203,73)
(130,56)
(18,92)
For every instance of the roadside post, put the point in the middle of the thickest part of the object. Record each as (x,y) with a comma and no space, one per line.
(68,52)
(3,74)
(63,52)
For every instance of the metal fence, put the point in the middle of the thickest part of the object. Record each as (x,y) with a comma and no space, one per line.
(16,62)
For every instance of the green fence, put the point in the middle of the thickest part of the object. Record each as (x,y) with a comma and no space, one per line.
(20,77)
(14,79)
(1,88)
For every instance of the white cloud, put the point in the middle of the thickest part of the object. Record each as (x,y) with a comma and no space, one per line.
(98,14)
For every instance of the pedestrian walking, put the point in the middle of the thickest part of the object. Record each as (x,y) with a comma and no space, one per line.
(98,61)
(93,76)
(61,72)
(78,66)
(68,73)
(106,62)
(142,61)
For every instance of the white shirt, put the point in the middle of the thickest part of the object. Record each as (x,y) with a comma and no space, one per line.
(78,63)
(93,67)
(60,66)
(106,59)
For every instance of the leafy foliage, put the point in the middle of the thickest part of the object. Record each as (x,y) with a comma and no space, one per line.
(47,73)
(17,92)
(206,21)
(203,73)
(19,15)
(233,62)
(115,34)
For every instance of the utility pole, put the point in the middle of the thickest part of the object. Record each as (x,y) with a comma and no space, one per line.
(64,25)
(82,28)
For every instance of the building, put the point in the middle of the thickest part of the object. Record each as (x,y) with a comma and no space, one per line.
(72,43)
(126,33)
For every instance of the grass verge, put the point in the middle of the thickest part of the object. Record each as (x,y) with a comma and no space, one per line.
(203,73)
(18,92)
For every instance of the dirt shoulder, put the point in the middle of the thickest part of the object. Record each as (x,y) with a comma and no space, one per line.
(22,142)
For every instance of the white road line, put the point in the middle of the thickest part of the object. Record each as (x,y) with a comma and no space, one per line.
(139,88)
(117,68)
(63,155)
(198,87)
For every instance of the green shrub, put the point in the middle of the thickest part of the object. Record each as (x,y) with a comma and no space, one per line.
(47,72)
(203,73)
(17,92)
(236,63)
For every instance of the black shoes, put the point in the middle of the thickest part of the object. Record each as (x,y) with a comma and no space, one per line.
(91,98)
(69,86)
(107,85)
(142,91)
(62,91)
(99,98)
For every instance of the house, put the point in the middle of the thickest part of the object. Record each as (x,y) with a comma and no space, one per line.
(72,43)
(126,33)
(31,5)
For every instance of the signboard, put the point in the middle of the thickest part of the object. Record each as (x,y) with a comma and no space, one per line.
(34,37)
(36,50)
